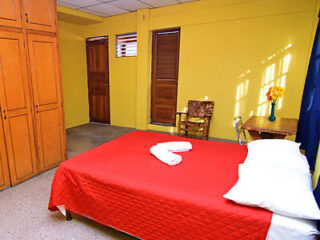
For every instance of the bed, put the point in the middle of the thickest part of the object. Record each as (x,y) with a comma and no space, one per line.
(121,185)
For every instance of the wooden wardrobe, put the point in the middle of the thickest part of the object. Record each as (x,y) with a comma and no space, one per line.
(32,132)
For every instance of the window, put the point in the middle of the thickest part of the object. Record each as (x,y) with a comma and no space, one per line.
(127,45)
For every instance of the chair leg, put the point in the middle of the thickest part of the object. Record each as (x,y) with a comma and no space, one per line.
(207,134)
(186,126)
(179,124)
(204,132)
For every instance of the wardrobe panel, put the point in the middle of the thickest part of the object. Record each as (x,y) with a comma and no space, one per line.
(51,138)
(40,15)
(4,170)
(21,147)
(12,77)
(10,13)
(45,70)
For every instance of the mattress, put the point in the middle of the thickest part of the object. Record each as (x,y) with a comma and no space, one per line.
(120,184)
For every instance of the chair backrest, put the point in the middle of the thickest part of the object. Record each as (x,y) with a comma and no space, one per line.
(200,108)
(237,124)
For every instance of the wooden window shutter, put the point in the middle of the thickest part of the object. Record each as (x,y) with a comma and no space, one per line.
(165,63)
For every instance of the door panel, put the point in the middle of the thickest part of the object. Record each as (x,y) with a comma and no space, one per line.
(4,170)
(46,85)
(15,107)
(40,15)
(10,13)
(98,80)
(165,62)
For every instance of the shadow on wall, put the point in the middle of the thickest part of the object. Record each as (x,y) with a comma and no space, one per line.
(274,70)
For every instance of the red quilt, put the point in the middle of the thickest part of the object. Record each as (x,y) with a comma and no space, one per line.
(120,184)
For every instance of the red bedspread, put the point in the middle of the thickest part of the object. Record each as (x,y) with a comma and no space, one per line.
(120,184)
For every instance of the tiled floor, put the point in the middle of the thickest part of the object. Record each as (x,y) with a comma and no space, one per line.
(87,136)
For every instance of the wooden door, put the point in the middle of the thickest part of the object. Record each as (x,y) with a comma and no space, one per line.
(4,170)
(165,63)
(39,15)
(15,107)
(98,79)
(10,13)
(47,98)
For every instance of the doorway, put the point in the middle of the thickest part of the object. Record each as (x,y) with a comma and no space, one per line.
(98,79)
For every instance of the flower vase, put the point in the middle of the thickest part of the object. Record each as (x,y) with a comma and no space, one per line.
(272,117)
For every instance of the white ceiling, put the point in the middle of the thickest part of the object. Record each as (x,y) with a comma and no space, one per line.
(107,8)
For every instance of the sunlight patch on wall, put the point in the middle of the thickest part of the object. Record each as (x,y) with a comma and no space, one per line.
(274,74)
(285,62)
(241,93)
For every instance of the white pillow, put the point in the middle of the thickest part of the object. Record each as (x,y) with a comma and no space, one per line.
(279,158)
(268,145)
(281,190)
(277,151)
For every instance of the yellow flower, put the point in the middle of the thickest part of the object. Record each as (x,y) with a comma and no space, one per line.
(274,96)
(281,90)
(280,95)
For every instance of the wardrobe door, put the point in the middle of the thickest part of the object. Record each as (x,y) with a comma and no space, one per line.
(15,107)
(4,171)
(10,13)
(39,15)
(46,84)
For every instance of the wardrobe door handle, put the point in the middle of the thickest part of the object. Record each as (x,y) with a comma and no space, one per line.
(4,114)
(37,111)
(27,19)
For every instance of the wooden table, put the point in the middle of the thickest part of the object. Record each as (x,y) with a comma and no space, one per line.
(261,127)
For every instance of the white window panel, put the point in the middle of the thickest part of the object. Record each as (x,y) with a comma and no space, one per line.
(107,9)
(131,5)
(160,3)
(126,45)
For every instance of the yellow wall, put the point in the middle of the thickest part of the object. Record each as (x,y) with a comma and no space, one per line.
(74,74)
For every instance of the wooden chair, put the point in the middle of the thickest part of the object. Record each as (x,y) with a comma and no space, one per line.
(237,125)
(197,118)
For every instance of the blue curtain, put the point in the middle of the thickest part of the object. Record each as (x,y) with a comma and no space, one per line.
(309,121)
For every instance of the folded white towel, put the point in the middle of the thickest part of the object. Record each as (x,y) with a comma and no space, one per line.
(176,146)
(165,156)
